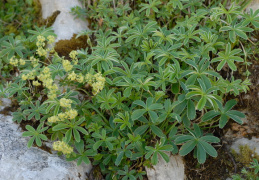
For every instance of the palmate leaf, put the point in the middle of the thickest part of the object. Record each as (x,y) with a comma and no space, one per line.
(149,107)
(41,31)
(36,110)
(176,3)
(11,47)
(228,57)
(159,149)
(71,128)
(225,113)
(16,88)
(151,5)
(236,30)
(139,33)
(196,141)
(251,17)
(205,92)
(37,135)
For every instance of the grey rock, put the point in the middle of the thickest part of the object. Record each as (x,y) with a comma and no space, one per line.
(253,144)
(4,102)
(65,24)
(174,170)
(17,162)
(253,5)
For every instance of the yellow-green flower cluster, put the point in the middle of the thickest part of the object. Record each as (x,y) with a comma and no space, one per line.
(80,78)
(71,114)
(53,119)
(48,82)
(41,52)
(51,39)
(40,41)
(30,75)
(62,116)
(72,76)
(36,83)
(96,81)
(67,65)
(73,55)
(15,62)
(65,102)
(34,61)
(62,147)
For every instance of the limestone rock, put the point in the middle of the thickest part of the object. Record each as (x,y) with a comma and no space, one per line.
(167,171)
(17,162)
(65,24)
(4,102)
(254,5)
(253,144)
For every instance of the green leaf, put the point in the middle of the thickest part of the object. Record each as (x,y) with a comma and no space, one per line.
(97,145)
(201,103)
(201,154)
(30,128)
(119,158)
(223,121)
(210,115)
(183,138)
(210,138)
(137,114)
(191,112)
(157,131)
(187,148)
(76,135)
(60,127)
(141,130)
(209,149)
(30,142)
(164,156)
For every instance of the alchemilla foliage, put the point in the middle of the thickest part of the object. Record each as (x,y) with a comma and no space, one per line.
(153,81)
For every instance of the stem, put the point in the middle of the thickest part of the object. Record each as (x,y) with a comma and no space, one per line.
(105,120)
(171,127)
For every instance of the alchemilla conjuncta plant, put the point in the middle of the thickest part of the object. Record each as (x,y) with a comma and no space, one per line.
(154,79)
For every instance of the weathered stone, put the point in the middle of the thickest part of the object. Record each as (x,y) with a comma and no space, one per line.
(65,24)
(17,162)
(4,102)
(167,171)
(253,144)
(253,5)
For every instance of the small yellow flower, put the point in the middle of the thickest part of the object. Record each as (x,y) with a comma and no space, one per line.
(62,116)
(65,102)
(67,65)
(22,62)
(53,119)
(80,78)
(72,113)
(13,61)
(51,39)
(35,83)
(24,77)
(73,54)
(41,52)
(34,61)
(41,38)
(52,95)
(96,81)
(62,147)
(72,76)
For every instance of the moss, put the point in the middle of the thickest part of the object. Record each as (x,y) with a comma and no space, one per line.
(49,20)
(64,47)
(246,155)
